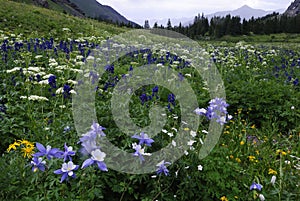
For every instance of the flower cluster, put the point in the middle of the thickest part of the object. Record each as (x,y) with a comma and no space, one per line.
(49,153)
(27,148)
(144,139)
(217,109)
(89,143)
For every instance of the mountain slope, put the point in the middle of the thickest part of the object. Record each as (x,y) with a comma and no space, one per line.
(36,22)
(293,9)
(82,8)
(94,9)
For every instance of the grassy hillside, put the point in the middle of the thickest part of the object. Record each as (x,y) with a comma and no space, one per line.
(35,21)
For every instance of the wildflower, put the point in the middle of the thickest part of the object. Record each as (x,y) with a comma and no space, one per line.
(253,126)
(28,151)
(273,179)
(68,153)
(38,164)
(238,160)
(283,153)
(223,198)
(242,143)
(143,139)
(13,146)
(67,170)
(193,133)
(271,171)
(96,158)
(26,143)
(48,151)
(217,109)
(191,142)
(162,168)
(261,197)
(97,129)
(200,167)
(139,151)
(251,158)
(255,186)
(52,81)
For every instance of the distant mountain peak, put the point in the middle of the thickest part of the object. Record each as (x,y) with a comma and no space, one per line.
(245,7)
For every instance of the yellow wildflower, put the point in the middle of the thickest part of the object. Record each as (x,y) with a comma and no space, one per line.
(251,158)
(238,160)
(242,143)
(271,171)
(186,129)
(231,156)
(28,151)
(13,146)
(26,143)
(283,153)
(253,126)
(223,198)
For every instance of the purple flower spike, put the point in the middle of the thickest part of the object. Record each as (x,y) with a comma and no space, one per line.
(67,171)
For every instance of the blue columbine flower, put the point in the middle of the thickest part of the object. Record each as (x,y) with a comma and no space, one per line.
(162,168)
(139,151)
(48,151)
(38,164)
(97,129)
(143,139)
(96,158)
(67,170)
(68,153)
(88,140)
(255,186)
(217,109)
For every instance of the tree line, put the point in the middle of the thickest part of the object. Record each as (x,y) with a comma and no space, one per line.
(233,25)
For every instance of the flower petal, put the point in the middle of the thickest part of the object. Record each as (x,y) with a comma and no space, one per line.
(87,163)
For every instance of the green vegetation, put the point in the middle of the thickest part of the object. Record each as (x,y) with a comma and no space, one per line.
(35,21)
(41,55)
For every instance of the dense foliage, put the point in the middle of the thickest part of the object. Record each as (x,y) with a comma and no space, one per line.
(256,158)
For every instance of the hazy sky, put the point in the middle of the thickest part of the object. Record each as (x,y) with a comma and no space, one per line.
(139,10)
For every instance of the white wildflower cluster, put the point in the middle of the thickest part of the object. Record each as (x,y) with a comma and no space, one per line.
(35,98)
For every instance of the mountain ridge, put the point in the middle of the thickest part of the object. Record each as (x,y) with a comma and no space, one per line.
(294,9)
(244,11)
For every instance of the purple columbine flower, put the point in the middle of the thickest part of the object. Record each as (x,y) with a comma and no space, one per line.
(255,186)
(48,151)
(68,153)
(96,158)
(67,170)
(162,168)
(217,109)
(38,164)
(97,129)
(143,139)
(139,151)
